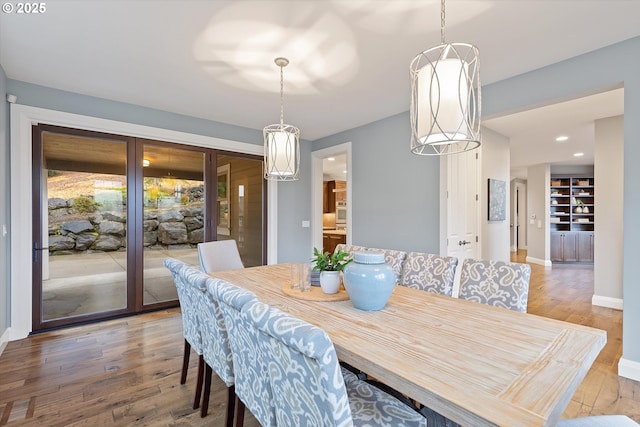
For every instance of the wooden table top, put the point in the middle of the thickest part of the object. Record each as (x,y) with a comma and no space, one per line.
(475,364)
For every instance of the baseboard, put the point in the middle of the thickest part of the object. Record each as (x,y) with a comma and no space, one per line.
(4,339)
(538,261)
(629,369)
(608,302)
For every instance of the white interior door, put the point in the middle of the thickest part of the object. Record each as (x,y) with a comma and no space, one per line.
(462,207)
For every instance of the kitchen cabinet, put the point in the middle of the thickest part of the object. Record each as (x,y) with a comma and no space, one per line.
(330,241)
(328,197)
(564,246)
(585,246)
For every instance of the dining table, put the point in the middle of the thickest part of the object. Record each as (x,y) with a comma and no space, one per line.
(475,364)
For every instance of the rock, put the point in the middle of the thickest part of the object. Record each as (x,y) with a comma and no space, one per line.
(77,226)
(61,243)
(193,223)
(150,238)
(179,247)
(56,203)
(108,243)
(150,214)
(171,233)
(170,216)
(150,224)
(111,227)
(191,211)
(85,240)
(114,216)
(54,229)
(196,236)
(58,213)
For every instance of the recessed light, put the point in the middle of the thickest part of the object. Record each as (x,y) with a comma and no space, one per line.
(331,159)
(344,171)
(562,138)
(578,154)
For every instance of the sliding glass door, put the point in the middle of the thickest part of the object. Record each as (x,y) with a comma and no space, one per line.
(108,210)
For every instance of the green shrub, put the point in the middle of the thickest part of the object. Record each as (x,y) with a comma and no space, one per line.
(85,205)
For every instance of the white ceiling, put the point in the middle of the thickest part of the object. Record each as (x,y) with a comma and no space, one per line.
(349,58)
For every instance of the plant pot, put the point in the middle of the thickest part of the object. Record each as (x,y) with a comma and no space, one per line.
(330,281)
(369,281)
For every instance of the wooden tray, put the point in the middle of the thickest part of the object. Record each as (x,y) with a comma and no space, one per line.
(315,294)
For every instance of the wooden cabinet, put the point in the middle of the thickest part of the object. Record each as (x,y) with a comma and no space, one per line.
(330,241)
(571,221)
(328,197)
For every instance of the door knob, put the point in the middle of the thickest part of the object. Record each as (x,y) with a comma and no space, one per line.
(463,242)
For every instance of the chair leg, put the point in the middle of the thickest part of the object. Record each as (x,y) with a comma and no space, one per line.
(231,401)
(185,362)
(239,412)
(196,400)
(208,372)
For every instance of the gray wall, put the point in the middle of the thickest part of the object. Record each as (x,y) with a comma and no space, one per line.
(583,75)
(4,205)
(537,208)
(495,165)
(609,200)
(395,193)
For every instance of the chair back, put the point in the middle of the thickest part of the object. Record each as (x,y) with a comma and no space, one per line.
(188,282)
(216,350)
(495,283)
(219,255)
(429,272)
(250,370)
(303,369)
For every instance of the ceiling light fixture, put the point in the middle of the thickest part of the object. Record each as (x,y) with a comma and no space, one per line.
(445,98)
(578,154)
(145,163)
(562,138)
(281,142)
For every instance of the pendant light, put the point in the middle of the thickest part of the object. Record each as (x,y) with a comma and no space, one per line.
(445,98)
(281,143)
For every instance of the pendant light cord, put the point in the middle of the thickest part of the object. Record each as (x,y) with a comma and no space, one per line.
(281,97)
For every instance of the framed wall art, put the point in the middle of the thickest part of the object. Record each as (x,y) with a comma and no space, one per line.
(497,200)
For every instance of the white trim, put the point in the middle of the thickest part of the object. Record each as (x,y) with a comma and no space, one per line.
(22,119)
(629,369)
(532,260)
(608,302)
(4,339)
(316,190)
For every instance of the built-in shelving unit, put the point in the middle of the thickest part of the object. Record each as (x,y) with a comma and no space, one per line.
(572,218)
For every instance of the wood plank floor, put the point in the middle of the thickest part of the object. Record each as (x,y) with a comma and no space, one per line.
(126,372)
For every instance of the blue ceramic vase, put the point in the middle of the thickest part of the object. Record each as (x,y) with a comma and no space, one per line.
(369,281)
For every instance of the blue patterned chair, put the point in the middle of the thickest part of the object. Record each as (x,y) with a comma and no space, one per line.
(251,382)
(190,320)
(216,351)
(495,283)
(429,272)
(305,376)
(599,421)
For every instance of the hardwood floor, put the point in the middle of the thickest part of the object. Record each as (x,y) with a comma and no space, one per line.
(127,371)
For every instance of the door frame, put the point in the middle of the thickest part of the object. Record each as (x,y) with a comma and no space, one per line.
(316,191)
(22,118)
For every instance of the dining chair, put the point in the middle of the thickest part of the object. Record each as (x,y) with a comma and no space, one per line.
(251,382)
(495,283)
(429,272)
(599,421)
(304,374)
(186,284)
(216,351)
(219,255)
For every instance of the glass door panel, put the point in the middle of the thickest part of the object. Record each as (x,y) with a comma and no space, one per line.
(240,206)
(173,214)
(80,251)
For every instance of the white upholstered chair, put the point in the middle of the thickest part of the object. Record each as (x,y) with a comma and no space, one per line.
(219,255)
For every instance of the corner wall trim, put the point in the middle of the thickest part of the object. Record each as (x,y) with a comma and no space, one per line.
(539,261)
(629,369)
(4,339)
(608,302)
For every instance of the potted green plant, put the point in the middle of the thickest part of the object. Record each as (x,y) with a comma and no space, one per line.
(330,265)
